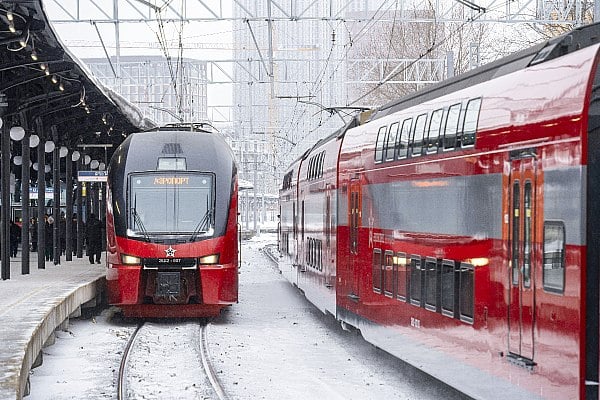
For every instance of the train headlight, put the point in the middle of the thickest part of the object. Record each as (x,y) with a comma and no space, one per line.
(127,259)
(212,259)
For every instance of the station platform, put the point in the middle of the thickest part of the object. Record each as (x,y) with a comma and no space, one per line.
(33,306)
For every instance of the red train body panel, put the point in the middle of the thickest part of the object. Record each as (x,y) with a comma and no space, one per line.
(172,251)
(466,225)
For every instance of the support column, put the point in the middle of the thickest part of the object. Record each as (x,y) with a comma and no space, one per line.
(5,189)
(56,197)
(79,210)
(41,185)
(25,185)
(69,210)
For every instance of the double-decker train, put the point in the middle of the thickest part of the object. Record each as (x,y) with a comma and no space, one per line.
(171,224)
(458,228)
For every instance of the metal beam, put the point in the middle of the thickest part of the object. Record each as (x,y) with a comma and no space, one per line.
(548,11)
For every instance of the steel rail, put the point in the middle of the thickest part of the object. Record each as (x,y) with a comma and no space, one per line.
(210,373)
(121,387)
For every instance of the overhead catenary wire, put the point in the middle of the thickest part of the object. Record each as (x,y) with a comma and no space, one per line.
(376,16)
(433,47)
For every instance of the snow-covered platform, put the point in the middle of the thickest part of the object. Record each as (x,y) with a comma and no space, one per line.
(33,306)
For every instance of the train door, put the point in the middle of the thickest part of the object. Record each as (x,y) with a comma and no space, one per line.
(355,221)
(522,213)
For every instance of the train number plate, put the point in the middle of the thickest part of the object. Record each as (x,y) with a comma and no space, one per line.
(168,284)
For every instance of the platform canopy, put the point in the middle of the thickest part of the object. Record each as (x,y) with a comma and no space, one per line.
(44,88)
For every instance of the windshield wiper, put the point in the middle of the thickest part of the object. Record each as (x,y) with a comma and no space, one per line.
(202,225)
(138,221)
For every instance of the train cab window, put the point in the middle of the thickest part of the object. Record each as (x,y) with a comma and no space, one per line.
(466,292)
(402,139)
(159,203)
(431,284)
(470,122)
(451,127)
(431,143)
(380,144)
(388,274)
(554,256)
(377,276)
(400,263)
(447,288)
(416,273)
(391,142)
(416,143)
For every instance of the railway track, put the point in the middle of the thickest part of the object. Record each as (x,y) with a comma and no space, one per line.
(198,377)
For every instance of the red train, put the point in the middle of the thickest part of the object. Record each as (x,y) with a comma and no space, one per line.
(459,227)
(172,238)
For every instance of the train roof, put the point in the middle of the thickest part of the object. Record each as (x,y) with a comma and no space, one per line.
(556,47)
(338,133)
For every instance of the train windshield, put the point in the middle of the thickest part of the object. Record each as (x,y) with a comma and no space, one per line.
(171,203)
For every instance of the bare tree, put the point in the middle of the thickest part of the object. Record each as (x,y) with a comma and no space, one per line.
(412,55)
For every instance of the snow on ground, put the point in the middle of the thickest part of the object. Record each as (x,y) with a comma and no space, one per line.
(272,345)
(84,361)
(176,345)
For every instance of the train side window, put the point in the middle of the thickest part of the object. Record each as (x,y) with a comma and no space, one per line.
(400,263)
(403,138)
(466,292)
(554,256)
(433,135)
(377,276)
(321,162)
(391,142)
(516,211)
(451,127)
(447,288)
(320,255)
(416,143)
(294,221)
(470,122)
(320,165)
(328,220)
(388,274)
(431,284)
(379,145)
(527,233)
(416,272)
(302,222)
